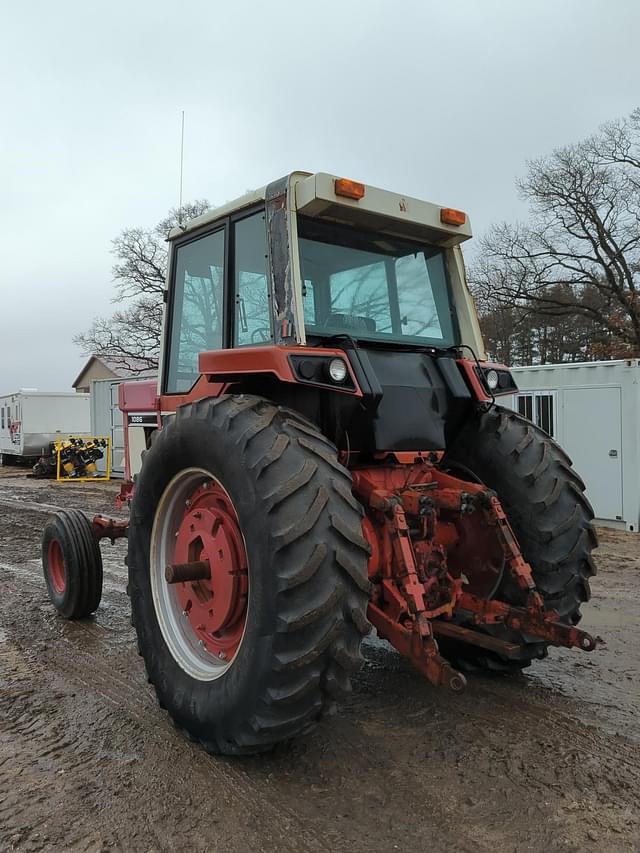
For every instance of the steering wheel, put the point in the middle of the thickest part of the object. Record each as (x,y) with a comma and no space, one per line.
(261,335)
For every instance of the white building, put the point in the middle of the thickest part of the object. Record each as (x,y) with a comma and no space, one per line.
(592,409)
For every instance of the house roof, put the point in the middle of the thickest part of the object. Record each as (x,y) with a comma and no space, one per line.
(133,367)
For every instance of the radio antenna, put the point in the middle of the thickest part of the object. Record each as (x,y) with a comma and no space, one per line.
(181,170)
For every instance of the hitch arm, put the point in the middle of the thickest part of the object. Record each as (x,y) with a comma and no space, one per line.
(532,620)
(414,640)
(109,528)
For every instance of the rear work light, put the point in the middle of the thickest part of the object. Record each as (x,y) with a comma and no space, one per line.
(349,189)
(337,370)
(452,217)
(492,378)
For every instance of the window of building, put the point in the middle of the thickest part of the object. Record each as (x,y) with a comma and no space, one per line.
(539,407)
(525,406)
(544,412)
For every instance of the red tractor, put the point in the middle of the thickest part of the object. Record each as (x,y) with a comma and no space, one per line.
(324,453)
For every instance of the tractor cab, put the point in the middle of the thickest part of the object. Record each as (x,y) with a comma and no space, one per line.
(354,295)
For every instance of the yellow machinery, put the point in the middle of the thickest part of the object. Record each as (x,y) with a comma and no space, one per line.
(75,458)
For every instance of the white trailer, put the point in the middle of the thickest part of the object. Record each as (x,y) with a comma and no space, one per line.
(593,410)
(30,419)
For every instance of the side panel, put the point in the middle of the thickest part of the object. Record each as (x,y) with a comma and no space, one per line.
(68,413)
(37,419)
(138,404)
(466,312)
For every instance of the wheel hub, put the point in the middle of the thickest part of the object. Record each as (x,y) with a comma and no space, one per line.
(199,574)
(215,608)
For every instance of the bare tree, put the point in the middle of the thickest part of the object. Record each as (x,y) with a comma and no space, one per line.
(579,254)
(131,336)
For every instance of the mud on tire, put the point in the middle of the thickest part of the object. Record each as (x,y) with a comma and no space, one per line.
(307,569)
(72,564)
(551,517)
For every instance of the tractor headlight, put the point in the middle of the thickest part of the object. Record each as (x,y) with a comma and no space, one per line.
(492,379)
(337,370)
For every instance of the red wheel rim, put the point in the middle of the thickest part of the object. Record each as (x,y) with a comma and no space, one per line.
(216,609)
(55,566)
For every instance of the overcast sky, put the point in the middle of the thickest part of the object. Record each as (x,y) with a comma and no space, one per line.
(440,100)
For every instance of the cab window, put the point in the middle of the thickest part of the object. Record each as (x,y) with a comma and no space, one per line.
(374,287)
(252,304)
(197,316)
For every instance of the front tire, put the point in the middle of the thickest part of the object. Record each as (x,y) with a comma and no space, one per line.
(72,564)
(290,573)
(550,515)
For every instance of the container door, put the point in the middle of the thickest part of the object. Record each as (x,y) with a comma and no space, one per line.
(4,427)
(593,439)
(117,433)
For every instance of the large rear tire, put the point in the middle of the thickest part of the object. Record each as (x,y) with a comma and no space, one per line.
(283,538)
(550,515)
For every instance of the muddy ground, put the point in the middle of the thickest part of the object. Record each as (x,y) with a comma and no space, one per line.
(549,760)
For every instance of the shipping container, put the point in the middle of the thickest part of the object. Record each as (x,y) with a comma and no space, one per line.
(108,420)
(593,410)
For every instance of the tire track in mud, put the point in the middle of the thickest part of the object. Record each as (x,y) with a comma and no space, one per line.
(89,661)
(30,506)
(31,572)
(119,685)
(402,766)
(123,686)
(501,746)
(31,731)
(530,753)
(41,508)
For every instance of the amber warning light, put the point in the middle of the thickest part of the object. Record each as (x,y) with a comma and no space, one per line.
(349,189)
(452,217)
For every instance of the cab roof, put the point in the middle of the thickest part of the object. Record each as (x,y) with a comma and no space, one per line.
(377,209)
